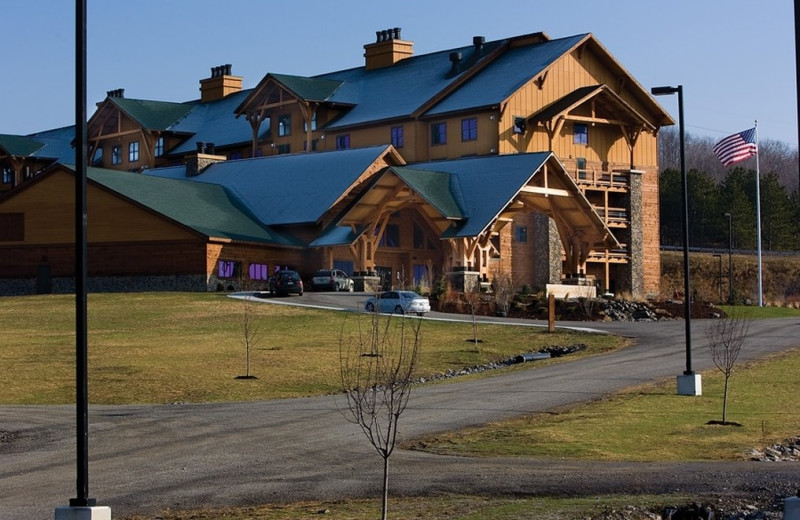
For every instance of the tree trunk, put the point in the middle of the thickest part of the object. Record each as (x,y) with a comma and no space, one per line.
(385,503)
(725,401)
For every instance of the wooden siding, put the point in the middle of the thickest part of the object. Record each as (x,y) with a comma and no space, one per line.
(49,210)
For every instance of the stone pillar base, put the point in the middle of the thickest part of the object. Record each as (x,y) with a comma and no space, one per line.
(464,281)
(370,284)
(690,384)
(83,513)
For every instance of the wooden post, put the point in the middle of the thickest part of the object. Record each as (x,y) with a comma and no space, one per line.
(551,313)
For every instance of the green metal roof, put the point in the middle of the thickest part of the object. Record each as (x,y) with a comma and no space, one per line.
(309,89)
(205,208)
(19,145)
(435,187)
(153,115)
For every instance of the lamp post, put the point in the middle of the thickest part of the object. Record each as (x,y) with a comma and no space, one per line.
(730,258)
(689,383)
(719,278)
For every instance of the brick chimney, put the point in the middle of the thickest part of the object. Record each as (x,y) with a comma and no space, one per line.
(387,50)
(220,84)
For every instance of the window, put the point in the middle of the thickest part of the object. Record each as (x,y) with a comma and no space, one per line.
(159,150)
(12,227)
(228,269)
(133,151)
(469,129)
(397,136)
(313,145)
(284,148)
(284,125)
(8,176)
(580,134)
(313,123)
(98,156)
(343,142)
(521,234)
(344,265)
(391,236)
(235,156)
(116,154)
(419,237)
(420,273)
(519,125)
(259,272)
(439,133)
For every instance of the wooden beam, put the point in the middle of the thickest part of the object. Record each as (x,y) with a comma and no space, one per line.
(539,190)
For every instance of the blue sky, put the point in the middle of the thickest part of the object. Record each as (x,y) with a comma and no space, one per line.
(735,58)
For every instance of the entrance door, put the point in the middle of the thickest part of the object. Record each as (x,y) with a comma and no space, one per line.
(386,277)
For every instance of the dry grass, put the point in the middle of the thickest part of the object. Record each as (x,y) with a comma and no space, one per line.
(652,422)
(189,347)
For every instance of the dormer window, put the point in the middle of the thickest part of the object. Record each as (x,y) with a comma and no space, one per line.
(159,149)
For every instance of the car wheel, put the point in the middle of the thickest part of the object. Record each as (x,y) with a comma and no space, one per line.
(350,289)
(336,286)
(300,293)
(370,307)
(420,314)
(398,309)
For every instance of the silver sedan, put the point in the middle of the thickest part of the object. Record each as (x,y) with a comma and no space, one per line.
(398,302)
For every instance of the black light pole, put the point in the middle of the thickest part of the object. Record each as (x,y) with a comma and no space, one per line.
(719,257)
(730,258)
(81,272)
(663,91)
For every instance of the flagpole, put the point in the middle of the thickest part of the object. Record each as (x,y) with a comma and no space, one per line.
(758,219)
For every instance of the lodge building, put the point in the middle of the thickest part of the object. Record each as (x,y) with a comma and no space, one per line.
(527,155)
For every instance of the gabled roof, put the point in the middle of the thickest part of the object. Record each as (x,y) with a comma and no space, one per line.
(609,102)
(152,115)
(287,189)
(437,188)
(206,208)
(486,185)
(19,145)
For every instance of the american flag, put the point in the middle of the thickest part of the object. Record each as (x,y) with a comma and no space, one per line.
(737,147)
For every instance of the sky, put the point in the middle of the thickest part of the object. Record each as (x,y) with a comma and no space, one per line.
(734,58)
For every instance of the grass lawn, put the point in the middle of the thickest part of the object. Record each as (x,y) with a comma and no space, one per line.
(651,423)
(438,508)
(189,347)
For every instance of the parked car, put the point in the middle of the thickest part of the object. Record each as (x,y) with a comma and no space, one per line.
(399,302)
(332,280)
(286,282)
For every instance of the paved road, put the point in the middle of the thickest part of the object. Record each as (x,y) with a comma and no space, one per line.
(144,458)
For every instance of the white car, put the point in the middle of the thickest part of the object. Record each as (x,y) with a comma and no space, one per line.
(398,302)
(332,280)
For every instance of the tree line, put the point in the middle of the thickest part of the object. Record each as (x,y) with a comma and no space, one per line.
(722,201)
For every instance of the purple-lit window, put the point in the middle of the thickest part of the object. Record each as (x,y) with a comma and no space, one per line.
(397,136)
(259,272)
(227,269)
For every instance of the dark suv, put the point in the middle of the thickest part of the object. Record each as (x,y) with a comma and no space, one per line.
(284,283)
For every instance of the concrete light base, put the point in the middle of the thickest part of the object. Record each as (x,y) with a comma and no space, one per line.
(83,513)
(690,384)
(791,508)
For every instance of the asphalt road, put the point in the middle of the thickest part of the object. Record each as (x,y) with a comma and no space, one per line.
(146,458)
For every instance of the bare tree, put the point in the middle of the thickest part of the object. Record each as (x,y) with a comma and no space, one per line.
(726,337)
(503,288)
(472,300)
(377,367)
(250,326)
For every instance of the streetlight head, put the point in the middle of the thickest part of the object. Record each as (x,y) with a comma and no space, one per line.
(727,215)
(663,91)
